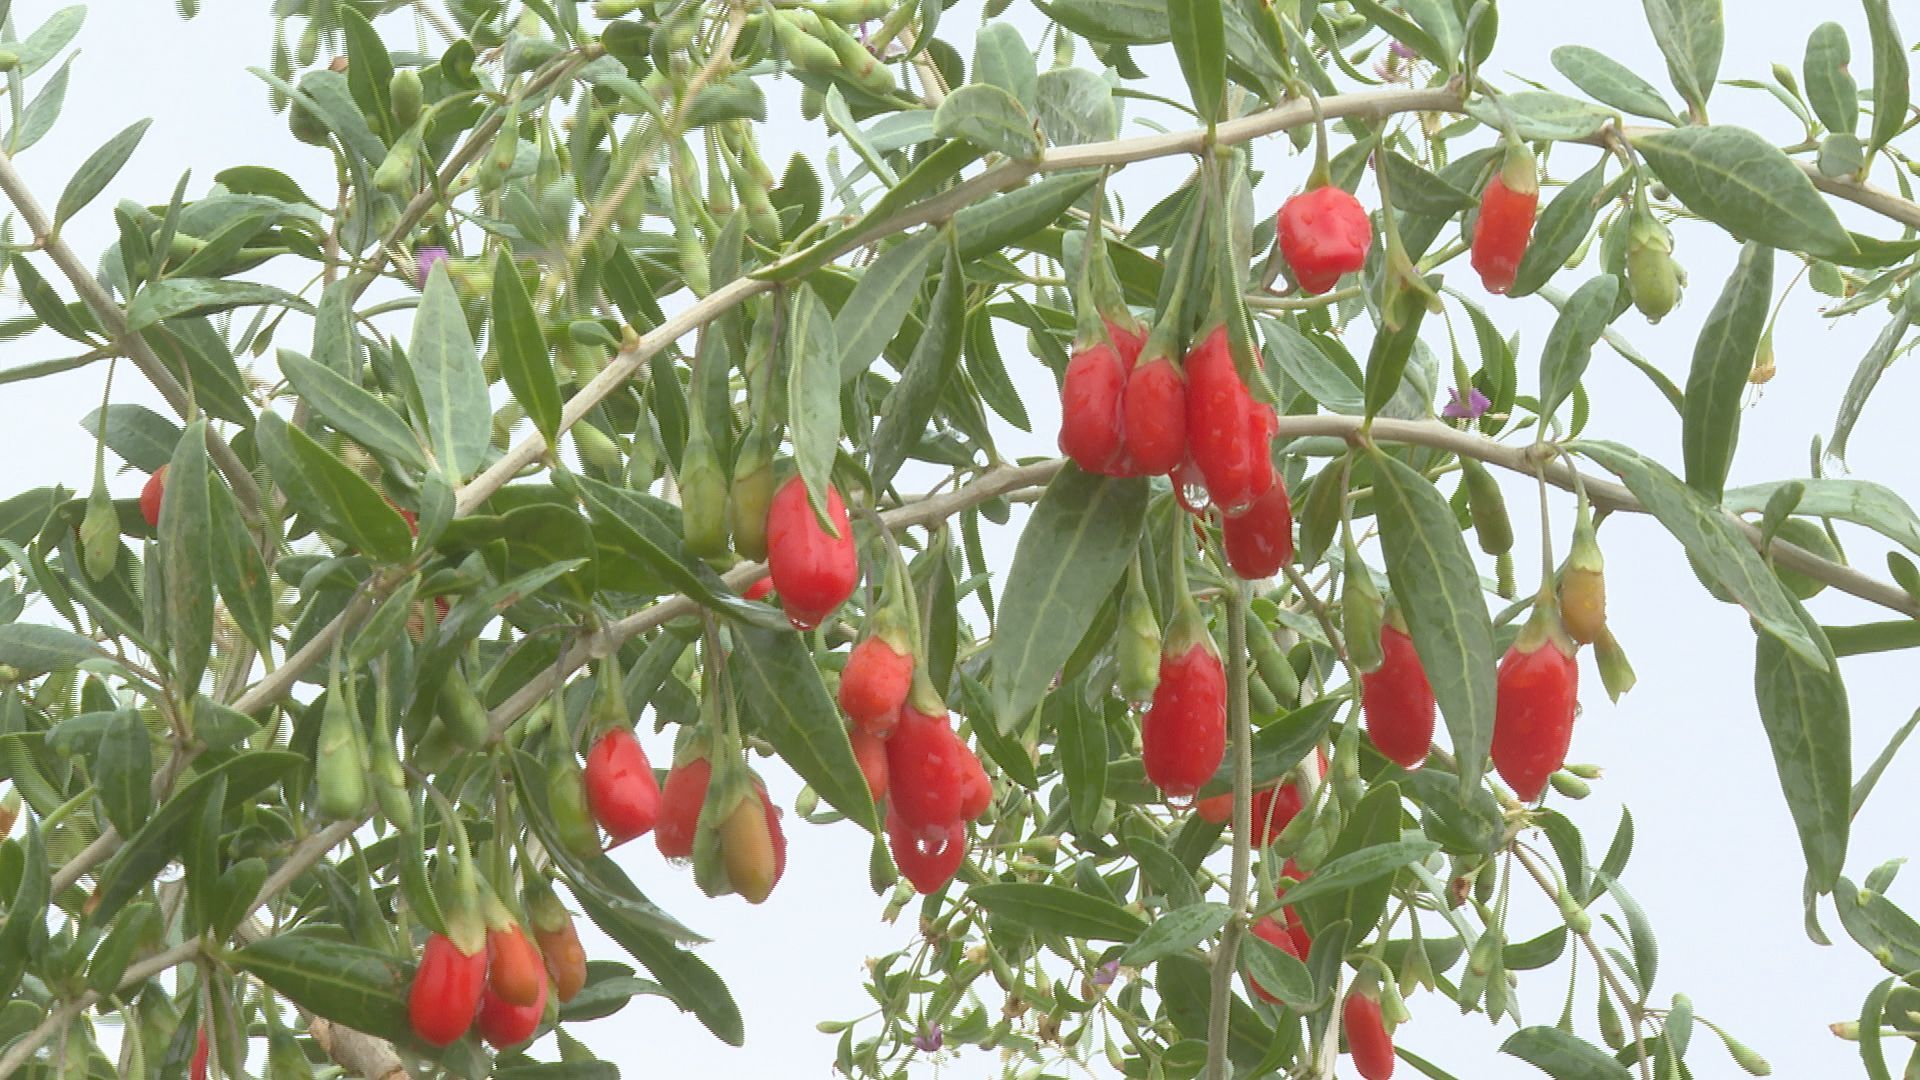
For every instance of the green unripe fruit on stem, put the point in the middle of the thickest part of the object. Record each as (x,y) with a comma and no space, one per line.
(751,494)
(1137,649)
(703,499)
(1487,507)
(1653,279)
(1807,535)
(462,712)
(340,768)
(405,93)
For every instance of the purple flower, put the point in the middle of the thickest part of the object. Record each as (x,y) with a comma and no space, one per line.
(424,260)
(930,1039)
(1107,973)
(1470,409)
(1402,50)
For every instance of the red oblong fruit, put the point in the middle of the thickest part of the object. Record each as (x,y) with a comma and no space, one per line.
(874,685)
(1228,432)
(1259,540)
(1367,1038)
(621,789)
(1324,233)
(504,1024)
(926,775)
(515,972)
(1184,734)
(680,803)
(446,991)
(1217,810)
(1271,931)
(760,590)
(927,855)
(813,572)
(151,494)
(1273,809)
(1397,701)
(976,790)
(197,1068)
(870,751)
(1533,716)
(1156,417)
(1091,396)
(1501,233)
(1127,343)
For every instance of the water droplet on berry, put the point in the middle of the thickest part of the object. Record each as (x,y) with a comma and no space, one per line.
(1179,803)
(931,841)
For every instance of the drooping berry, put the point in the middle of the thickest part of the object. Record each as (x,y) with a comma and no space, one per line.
(1533,715)
(446,990)
(680,803)
(1367,1038)
(1324,233)
(621,789)
(760,590)
(1505,225)
(1259,540)
(1227,430)
(504,1024)
(1274,933)
(874,684)
(151,495)
(927,770)
(1091,412)
(560,948)
(1156,417)
(1398,702)
(1183,736)
(870,751)
(753,847)
(927,855)
(515,971)
(814,572)
(1127,341)
(197,1068)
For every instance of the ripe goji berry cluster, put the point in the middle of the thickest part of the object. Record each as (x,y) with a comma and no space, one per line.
(495,975)
(752,847)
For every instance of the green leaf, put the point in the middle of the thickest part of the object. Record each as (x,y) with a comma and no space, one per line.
(369,68)
(1562,1055)
(1608,81)
(1117,22)
(1713,540)
(143,438)
(1890,88)
(989,371)
(1080,738)
(1569,347)
(352,985)
(990,118)
(1176,931)
(1374,824)
(123,771)
(175,297)
(1438,589)
(1691,33)
(1076,106)
(452,387)
(1404,30)
(1803,707)
(1200,43)
(813,391)
(1879,927)
(1279,973)
(1541,114)
(1438,19)
(910,404)
(1057,909)
(96,172)
(1743,183)
(1359,868)
(1871,1012)
(1859,501)
(325,490)
(1001,59)
(186,528)
(524,360)
(1563,225)
(886,292)
(1722,359)
(158,842)
(687,979)
(1387,360)
(1067,561)
(1006,220)
(26,911)
(35,649)
(352,409)
(1297,357)
(239,573)
(41,46)
(783,692)
(1866,378)
(1831,91)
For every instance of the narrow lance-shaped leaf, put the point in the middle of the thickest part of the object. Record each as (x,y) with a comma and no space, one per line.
(909,405)
(1722,359)
(1830,87)
(1067,561)
(1438,589)
(1561,228)
(452,388)
(1607,80)
(880,302)
(1804,709)
(1057,909)
(1692,34)
(1081,739)
(1563,1055)
(123,771)
(1200,44)
(352,410)
(1866,378)
(813,391)
(524,360)
(97,172)
(1743,183)
(186,532)
(324,489)
(1890,73)
(1569,347)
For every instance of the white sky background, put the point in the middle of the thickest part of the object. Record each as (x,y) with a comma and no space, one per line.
(1717,865)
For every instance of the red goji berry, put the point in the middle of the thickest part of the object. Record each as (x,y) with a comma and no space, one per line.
(1324,233)
(680,802)
(1259,540)
(1533,716)
(621,789)
(1274,933)
(446,990)
(515,971)
(760,590)
(928,774)
(1367,1038)
(870,751)
(1091,415)
(504,1024)
(197,1068)
(1156,418)
(151,495)
(1397,701)
(1127,342)
(813,571)
(874,684)
(1184,734)
(927,855)
(1501,233)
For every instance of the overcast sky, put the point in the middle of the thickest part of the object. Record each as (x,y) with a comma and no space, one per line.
(1717,865)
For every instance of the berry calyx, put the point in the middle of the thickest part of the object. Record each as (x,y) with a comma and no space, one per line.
(1323,234)
(621,789)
